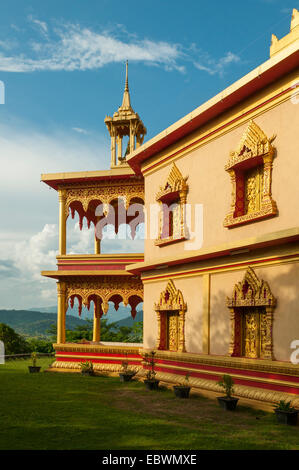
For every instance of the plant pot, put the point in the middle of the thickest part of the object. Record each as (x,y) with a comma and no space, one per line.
(287,417)
(228,403)
(87,372)
(126,377)
(33,369)
(181,391)
(151,384)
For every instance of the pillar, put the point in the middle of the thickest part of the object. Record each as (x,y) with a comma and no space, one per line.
(206,314)
(132,139)
(97,241)
(113,150)
(96,322)
(62,222)
(119,147)
(61,311)
(97,245)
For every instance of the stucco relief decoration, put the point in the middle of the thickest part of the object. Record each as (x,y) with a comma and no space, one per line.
(250,170)
(84,199)
(171,300)
(116,289)
(172,197)
(251,306)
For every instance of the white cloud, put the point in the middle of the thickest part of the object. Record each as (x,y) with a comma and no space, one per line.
(22,261)
(71,47)
(213,66)
(76,48)
(40,24)
(80,130)
(27,152)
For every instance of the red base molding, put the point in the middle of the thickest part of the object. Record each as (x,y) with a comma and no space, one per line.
(248,378)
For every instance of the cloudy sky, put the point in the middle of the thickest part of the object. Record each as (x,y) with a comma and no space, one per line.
(62,64)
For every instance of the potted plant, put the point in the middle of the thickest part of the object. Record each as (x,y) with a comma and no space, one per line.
(34,368)
(150,382)
(227,402)
(87,368)
(183,389)
(285,413)
(126,374)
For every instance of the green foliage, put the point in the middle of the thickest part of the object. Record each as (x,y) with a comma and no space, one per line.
(86,366)
(185,383)
(136,334)
(150,359)
(34,358)
(284,405)
(109,332)
(40,345)
(13,342)
(227,384)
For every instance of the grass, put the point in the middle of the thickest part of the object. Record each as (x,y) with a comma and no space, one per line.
(69,411)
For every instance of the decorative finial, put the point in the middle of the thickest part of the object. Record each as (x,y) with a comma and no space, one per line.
(295,18)
(127,82)
(126,104)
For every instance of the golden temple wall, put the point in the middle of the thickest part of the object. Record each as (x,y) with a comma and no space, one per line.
(210,185)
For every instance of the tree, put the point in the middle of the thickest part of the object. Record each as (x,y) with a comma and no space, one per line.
(109,332)
(40,345)
(13,342)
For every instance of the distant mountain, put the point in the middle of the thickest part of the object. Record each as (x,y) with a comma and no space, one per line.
(122,313)
(36,323)
(129,321)
(30,323)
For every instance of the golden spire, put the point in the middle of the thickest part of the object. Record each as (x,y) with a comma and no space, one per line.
(126,104)
(124,123)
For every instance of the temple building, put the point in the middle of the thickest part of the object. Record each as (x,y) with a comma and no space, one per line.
(219,277)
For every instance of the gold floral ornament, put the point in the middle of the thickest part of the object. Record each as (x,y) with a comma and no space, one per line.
(172,198)
(251,306)
(85,198)
(116,289)
(250,170)
(170,311)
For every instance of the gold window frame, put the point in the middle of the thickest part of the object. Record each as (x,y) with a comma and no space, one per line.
(251,292)
(255,150)
(174,190)
(171,299)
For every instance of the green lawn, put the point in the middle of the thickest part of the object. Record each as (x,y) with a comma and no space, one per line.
(69,411)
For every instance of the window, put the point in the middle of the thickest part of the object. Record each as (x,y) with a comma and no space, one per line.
(250,169)
(172,199)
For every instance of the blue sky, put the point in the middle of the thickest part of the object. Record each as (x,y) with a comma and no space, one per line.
(62,63)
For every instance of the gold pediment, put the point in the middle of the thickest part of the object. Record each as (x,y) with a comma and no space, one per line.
(171,299)
(253,143)
(251,292)
(175,183)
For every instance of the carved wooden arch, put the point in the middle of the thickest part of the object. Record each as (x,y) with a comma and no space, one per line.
(255,150)
(174,190)
(116,289)
(171,299)
(251,292)
(86,201)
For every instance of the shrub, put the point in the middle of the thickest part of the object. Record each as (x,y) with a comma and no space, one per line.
(227,384)
(13,342)
(284,405)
